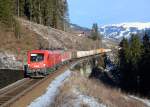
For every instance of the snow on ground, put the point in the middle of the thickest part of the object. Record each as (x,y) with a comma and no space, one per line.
(52,90)
(88,100)
(139,25)
(145,101)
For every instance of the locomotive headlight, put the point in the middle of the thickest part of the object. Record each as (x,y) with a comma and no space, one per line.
(44,65)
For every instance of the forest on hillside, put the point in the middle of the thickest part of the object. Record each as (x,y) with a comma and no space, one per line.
(134,64)
(52,13)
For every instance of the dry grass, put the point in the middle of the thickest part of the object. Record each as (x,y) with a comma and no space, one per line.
(106,95)
(58,38)
(64,97)
(34,35)
(84,105)
(28,41)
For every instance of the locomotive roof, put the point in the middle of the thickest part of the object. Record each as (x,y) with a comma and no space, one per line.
(43,51)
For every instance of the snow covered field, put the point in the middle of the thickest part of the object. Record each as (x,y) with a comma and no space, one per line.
(53,89)
(145,101)
(88,100)
(80,91)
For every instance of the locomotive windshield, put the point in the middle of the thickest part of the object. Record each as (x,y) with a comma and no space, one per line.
(37,57)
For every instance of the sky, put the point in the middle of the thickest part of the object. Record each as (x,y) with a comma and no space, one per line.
(103,12)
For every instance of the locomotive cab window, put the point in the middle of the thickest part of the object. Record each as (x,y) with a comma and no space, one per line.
(37,57)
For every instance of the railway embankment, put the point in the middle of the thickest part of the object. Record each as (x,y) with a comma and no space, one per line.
(13,51)
(8,76)
(11,69)
(82,91)
(10,61)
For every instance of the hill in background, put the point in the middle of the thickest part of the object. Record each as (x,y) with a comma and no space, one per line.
(35,36)
(76,29)
(118,31)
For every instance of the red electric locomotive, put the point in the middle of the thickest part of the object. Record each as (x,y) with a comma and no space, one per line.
(42,62)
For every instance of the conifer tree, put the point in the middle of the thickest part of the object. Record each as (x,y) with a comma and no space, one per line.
(19,7)
(6,16)
(146,43)
(130,56)
(95,32)
(66,20)
(124,63)
(136,50)
(52,13)
(28,9)
(145,65)
(95,35)
(135,57)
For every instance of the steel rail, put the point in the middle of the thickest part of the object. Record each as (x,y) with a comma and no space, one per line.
(13,92)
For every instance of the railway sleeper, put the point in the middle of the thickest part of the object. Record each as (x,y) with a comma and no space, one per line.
(6,98)
(1,101)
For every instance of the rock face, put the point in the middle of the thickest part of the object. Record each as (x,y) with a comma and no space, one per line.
(9,61)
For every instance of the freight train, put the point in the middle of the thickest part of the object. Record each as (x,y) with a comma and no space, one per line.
(43,62)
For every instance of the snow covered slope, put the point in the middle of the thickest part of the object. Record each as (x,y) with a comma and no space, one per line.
(118,31)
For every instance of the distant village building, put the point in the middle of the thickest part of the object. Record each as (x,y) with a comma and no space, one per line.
(81,34)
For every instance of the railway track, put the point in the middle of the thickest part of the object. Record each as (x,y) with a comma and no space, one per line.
(14,92)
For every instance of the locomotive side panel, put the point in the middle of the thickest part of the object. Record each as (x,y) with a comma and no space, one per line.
(66,56)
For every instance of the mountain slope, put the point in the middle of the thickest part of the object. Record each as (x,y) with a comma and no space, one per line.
(118,31)
(35,36)
(80,30)
(59,39)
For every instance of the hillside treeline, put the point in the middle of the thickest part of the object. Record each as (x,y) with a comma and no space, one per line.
(134,64)
(95,35)
(52,13)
